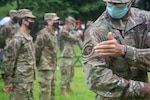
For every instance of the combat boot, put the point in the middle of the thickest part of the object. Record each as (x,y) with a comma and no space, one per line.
(64,93)
(69,89)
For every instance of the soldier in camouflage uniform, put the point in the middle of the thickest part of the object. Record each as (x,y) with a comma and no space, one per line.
(67,37)
(8,30)
(46,47)
(19,60)
(116,53)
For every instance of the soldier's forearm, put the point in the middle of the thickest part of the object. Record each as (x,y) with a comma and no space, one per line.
(137,88)
(139,57)
(110,85)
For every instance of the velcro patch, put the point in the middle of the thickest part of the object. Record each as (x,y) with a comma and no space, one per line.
(87,50)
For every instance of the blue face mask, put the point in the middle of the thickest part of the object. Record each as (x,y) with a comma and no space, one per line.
(117,11)
(72,28)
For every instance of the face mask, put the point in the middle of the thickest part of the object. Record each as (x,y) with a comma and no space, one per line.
(117,11)
(33,29)
(56,25)
(72,28)
(15,19)
(31,25)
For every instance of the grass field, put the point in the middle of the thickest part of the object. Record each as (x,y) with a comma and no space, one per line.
(78,84)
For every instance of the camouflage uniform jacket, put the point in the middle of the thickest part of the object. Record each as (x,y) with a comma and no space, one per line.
(19,59)
(67,40)
(46,48)
(110,77)
(7,32)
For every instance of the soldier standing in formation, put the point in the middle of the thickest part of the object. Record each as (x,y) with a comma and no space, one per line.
(67,37)
(46,57)
(116,53)
(19,60)
(9,29)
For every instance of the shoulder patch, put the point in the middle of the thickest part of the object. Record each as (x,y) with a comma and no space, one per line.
(87,50)
(10,49)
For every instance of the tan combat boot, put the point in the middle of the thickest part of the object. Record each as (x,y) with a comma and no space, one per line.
(64,93)
(69,89)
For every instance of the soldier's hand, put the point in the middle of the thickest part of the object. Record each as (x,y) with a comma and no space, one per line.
(111,47)
(8,88)
(80,31)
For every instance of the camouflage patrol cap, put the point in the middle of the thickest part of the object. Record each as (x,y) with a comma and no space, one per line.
(89,23)
(13,13)
(71,20)
(25,13)
(51,16)
(117,1)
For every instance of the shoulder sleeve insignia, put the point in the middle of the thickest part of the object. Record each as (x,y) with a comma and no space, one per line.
(87,50)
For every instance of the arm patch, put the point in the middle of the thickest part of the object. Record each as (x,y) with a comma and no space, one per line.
(87,50)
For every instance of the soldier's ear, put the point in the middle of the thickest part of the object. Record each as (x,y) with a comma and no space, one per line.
(23,21)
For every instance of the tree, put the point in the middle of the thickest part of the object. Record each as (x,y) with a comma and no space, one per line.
(5,6)
(89,9)
(4,2)
(84,10)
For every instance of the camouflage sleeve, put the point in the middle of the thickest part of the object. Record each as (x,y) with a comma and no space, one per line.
(39,44)
(10,58)
(140,57)
(100,78)
(4,31)
(73,35)
(143,13)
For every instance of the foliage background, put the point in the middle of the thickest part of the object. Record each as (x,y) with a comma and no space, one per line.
(80,9)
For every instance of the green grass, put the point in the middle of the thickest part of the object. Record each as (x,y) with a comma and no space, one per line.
(78,84)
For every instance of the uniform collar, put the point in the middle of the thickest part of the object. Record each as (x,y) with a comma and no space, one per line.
(50,30)
(26,35)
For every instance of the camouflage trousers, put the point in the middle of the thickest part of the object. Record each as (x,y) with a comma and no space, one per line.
(67,71)
(98,97)
(46,79)
(22,91)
